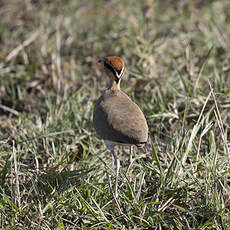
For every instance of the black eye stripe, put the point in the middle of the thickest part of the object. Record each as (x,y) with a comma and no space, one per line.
(107,65)
(119,72)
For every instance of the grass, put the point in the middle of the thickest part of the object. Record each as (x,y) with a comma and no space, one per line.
(54,171)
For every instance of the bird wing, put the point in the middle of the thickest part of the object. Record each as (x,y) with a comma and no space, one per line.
(117,118)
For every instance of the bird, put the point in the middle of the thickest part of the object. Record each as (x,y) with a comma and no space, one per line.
(116,118)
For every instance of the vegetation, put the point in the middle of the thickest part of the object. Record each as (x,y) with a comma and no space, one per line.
(55,173)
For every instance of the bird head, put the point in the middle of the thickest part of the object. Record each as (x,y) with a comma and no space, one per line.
(114,67)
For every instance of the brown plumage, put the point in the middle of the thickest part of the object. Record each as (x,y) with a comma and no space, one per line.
(117,119)
(116,62)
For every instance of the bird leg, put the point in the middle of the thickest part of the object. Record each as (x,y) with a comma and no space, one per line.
(130,159)
(117,164)
(130,154)
(112,161)
(110,146)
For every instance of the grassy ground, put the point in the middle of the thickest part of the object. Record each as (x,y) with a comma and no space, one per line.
(55,173)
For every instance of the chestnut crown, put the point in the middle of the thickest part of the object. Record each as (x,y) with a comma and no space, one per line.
(114,65)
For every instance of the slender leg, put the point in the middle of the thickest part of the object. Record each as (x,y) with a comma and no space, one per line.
(113,162)
(110,146)
(130,159)
(117,163)
(131,154)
